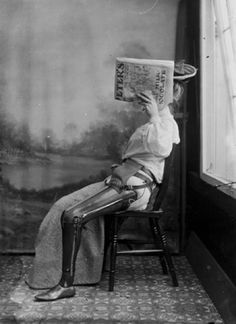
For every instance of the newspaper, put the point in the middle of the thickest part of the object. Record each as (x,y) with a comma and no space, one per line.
(136,75)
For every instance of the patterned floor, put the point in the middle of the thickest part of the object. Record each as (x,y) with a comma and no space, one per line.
(142,295)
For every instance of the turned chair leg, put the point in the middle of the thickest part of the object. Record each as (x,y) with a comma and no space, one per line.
(156,241)
(114,243)
(168,258)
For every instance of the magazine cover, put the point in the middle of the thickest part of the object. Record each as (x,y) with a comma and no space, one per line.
(136,75)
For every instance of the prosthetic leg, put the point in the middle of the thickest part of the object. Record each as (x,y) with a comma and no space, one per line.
(73,221)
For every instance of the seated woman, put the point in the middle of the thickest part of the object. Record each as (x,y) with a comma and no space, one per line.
(69,246)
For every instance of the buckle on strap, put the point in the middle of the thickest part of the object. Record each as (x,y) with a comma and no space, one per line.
(146,178)
(143,177)
(145,185)
(148,172)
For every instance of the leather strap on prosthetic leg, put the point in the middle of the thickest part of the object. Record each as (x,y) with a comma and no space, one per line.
(122,173)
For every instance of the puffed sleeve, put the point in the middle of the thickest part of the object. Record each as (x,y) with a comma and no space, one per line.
(161,134)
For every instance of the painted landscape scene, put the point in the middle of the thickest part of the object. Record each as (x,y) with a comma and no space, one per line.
(60,126)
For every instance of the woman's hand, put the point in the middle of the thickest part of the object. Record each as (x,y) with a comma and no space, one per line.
(148,103)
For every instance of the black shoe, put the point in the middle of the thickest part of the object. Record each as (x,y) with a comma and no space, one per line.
(56,293)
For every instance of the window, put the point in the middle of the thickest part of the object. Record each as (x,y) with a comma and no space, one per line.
(218,93)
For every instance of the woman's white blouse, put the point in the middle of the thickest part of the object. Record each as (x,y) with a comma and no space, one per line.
(152,143)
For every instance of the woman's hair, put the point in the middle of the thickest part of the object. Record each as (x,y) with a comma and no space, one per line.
(178,90)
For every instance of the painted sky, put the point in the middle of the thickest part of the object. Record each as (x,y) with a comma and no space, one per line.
(58,56)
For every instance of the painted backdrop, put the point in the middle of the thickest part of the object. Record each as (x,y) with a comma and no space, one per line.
(60,127)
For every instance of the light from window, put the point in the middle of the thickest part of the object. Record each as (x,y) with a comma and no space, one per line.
(218,93)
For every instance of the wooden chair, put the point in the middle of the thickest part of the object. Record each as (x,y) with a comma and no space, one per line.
(152,213)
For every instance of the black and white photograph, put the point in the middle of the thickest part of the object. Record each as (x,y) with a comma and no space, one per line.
(118,161)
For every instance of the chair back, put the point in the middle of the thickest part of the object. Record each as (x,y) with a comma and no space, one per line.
(160,192)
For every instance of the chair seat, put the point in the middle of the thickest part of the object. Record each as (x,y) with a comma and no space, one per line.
(139,213)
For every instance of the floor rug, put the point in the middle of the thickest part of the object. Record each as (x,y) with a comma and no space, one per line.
(142,294)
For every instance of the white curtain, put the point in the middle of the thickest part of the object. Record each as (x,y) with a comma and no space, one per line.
(225,14)
(225,11)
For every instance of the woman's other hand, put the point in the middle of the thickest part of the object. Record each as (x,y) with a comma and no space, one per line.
(148,103)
